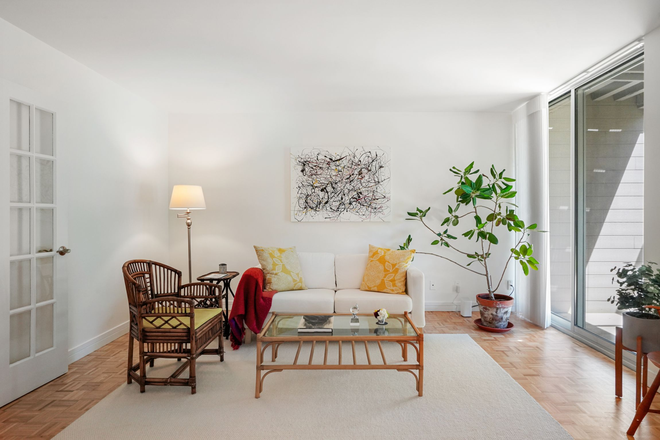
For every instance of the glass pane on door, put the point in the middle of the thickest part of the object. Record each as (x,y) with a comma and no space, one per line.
(19,126)
(19,336)
(19,178)
(19,231)
(44,278)
(612,129)
(44,181)
(44,332)
(43,137)
(20,284)
(43,236)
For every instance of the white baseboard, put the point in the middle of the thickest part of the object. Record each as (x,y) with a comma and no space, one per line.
(442,306)
(97,342)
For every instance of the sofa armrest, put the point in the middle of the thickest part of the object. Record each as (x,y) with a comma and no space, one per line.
(415,288)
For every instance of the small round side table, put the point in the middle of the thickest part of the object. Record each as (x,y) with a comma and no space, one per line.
(225,289)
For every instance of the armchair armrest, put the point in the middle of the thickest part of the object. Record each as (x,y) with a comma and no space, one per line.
(415,288)
(203,295)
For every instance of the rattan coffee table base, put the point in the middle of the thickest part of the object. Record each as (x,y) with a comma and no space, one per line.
(266,340)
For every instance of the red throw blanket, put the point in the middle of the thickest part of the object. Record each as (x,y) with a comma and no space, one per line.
(251,306)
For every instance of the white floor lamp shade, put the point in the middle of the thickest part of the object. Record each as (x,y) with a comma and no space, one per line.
(187,197)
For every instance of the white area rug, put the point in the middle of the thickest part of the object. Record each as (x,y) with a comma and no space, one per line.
(467,395)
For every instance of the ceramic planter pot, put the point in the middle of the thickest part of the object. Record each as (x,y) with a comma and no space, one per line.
(648,329)
(495,313)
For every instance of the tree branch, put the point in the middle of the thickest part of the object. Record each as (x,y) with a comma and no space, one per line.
(507,261)
(449,259)
(485,263)
(436,234)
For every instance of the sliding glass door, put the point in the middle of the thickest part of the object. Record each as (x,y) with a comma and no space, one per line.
(596,196)
(610,190)
(561,163)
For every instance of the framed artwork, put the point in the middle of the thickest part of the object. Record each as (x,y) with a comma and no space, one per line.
(349,184)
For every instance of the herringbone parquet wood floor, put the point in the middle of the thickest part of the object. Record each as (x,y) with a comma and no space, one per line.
(574,383)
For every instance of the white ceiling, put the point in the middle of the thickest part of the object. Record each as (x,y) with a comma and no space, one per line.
(201,56)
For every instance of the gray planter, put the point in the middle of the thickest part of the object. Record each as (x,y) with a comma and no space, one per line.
(648,329)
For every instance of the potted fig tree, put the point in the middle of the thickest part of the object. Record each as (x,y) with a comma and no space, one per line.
(484,202)
(637,295)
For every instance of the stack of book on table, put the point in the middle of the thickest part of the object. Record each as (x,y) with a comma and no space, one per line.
(315,324)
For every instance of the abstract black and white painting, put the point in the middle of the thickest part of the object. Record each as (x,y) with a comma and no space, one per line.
(345,184)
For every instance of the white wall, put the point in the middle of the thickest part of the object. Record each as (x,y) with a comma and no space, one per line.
(113,149)
(242,162)
(651,145)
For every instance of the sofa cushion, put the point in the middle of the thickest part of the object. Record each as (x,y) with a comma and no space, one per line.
(386,270)
(350,270)
(318,269)
(304,301)
(281,268)
(370,301)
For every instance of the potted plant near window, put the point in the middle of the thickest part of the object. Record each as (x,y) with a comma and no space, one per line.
(639,288)
(485,201)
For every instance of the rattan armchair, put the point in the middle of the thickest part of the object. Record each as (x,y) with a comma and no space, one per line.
(169,320)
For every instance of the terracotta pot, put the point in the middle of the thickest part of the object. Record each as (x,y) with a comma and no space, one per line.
(495,313)
(648,329)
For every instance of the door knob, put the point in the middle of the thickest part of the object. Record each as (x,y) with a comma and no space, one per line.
(63,250)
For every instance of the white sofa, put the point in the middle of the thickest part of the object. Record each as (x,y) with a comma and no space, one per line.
(333,286)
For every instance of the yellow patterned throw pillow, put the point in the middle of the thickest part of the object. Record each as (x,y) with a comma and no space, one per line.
(386,270)
(281,268)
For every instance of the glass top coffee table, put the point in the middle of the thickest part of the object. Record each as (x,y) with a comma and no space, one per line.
(340,346)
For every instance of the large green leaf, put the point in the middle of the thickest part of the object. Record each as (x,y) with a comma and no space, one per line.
(479,182)
(525,268)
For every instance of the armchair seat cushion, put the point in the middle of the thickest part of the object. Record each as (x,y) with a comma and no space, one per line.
(304,301)
(202,316)
(370,301)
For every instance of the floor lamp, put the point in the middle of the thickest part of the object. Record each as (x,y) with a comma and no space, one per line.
(187,198)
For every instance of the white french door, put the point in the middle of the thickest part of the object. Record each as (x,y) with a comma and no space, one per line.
(33,309)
